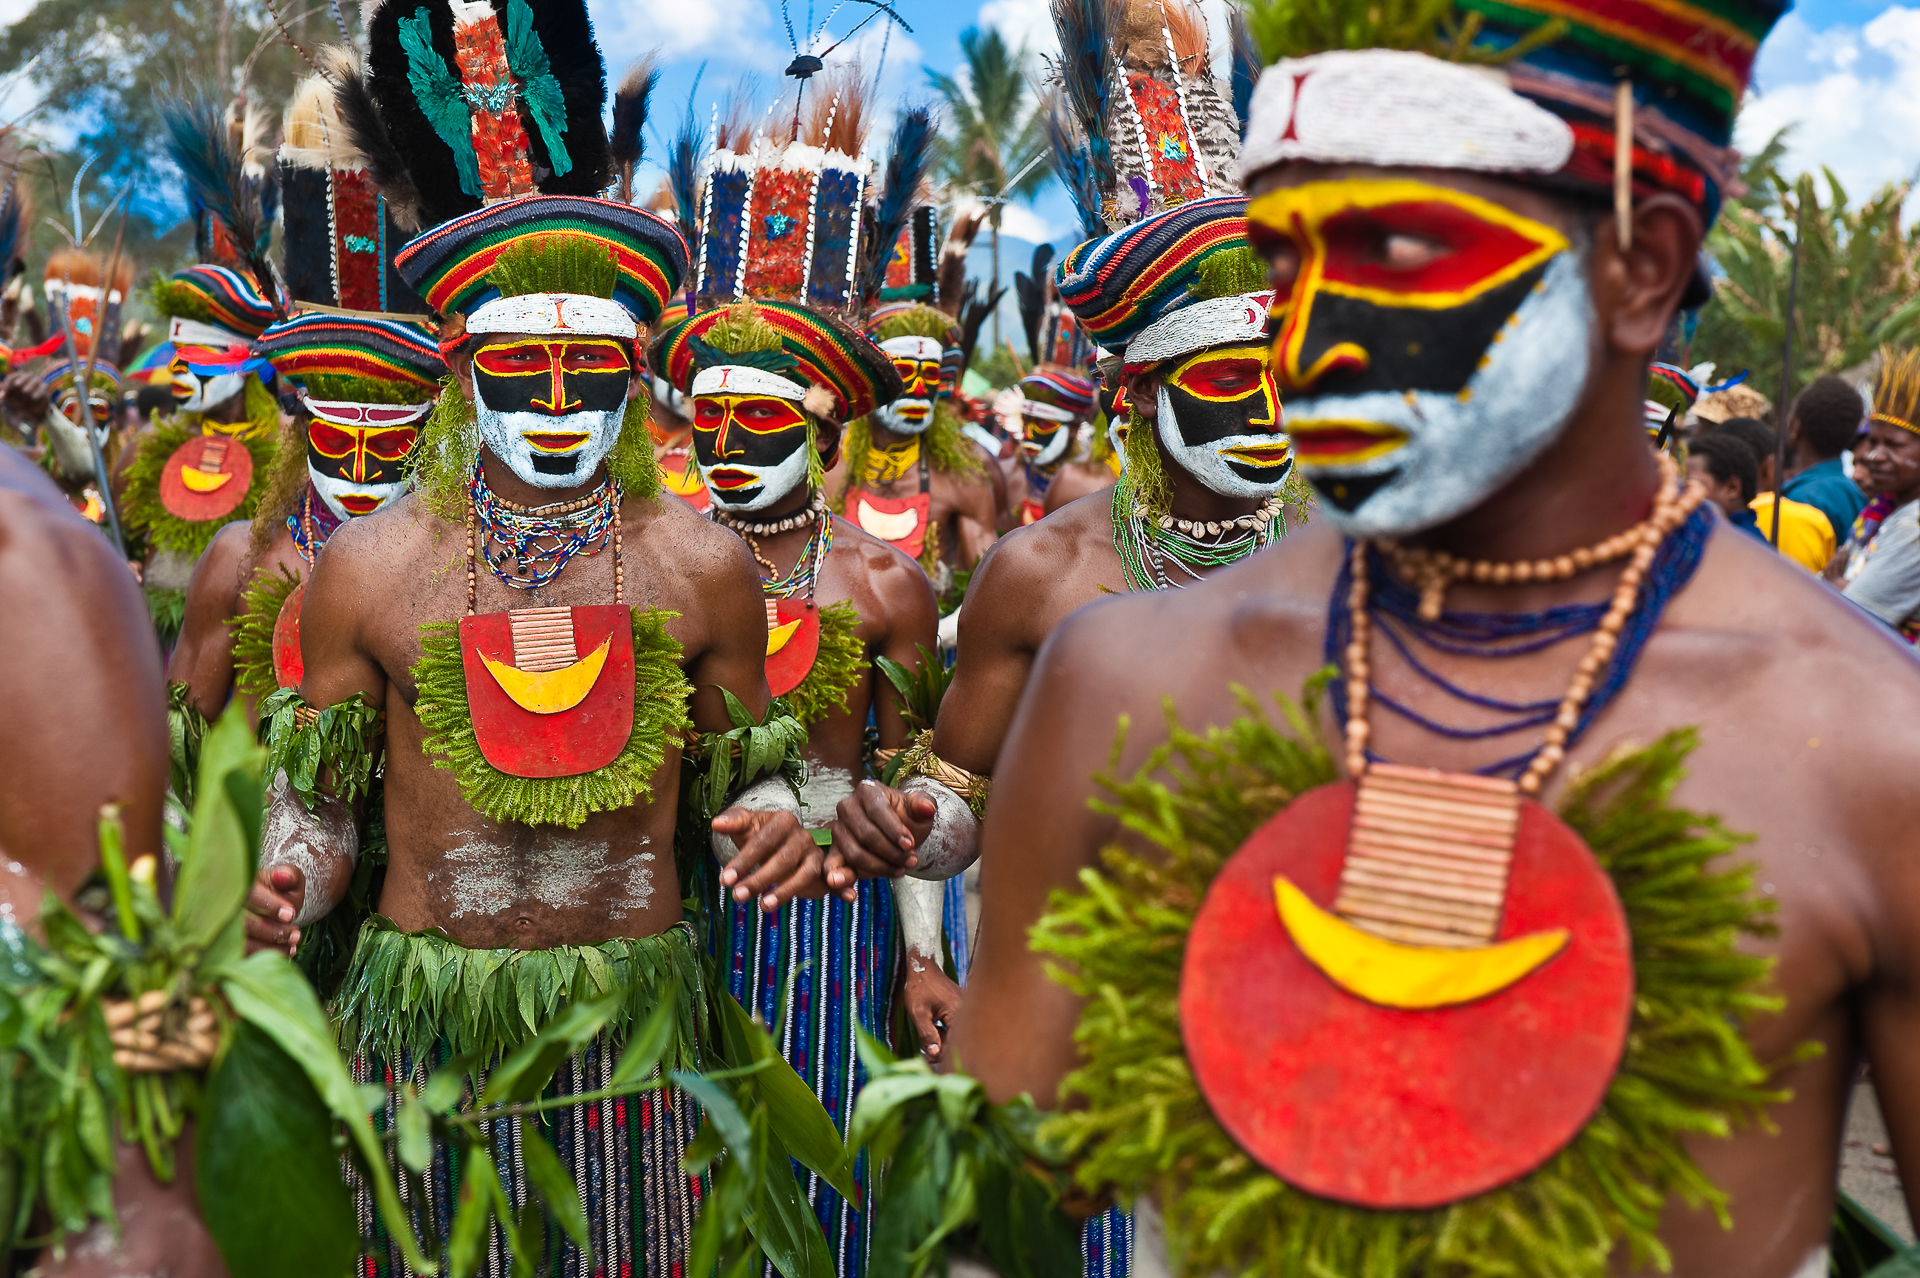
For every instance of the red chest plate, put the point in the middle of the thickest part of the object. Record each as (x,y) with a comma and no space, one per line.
(899,520)
(1391,1108)
(793,641)
(288,665)
(206,478)
(560,716)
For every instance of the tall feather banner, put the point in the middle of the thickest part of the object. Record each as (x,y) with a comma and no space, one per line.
(908,156)
(201,144)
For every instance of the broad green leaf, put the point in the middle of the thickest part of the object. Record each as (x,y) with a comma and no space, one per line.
(445,1085)
(648,1046)
(526,1073)
(794,1112)
(703,1149)
(223,844)
(549,1179)
(721,1112)
(467,1244)
(414,1132)
(265,1170)
(783,1224)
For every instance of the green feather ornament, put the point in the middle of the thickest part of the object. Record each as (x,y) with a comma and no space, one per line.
(659,708)
(539,88)
(1139,1124)
(441,97)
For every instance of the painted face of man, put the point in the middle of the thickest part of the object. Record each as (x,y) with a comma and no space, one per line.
(1046,431)
(201,392)
(919,361)
(551,408)
(1430,344)
(751,449)
(356,454)
(1219,419)
(66,402)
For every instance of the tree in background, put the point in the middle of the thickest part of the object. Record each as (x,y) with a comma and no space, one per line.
(994,143)
(1859,277)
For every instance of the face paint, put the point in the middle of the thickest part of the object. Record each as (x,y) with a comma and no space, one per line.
(1219,419)
(68,404)
(1045,433)
(918,360)
(752,449)
(551,409)
(1430,343)
(197,392)
(357,467)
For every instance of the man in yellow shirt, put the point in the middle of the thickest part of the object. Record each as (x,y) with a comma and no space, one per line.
(1806,535)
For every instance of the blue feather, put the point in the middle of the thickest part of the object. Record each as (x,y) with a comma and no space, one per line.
(1074,167)
(907,161)
(1246,65)
(1087,83)
(683,174)
(199,143)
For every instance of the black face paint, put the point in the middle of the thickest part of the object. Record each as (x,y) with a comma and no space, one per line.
(749,446)
(556,378)
(359,454)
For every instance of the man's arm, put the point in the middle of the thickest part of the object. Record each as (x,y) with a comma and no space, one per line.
(203,658)
(1889,585)
(975,518)
(997,644)
(308,858)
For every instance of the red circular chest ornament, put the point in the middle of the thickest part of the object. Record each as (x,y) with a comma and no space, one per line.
(289,667)
(1387,1107)
(206,478)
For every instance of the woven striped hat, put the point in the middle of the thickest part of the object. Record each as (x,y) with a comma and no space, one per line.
(216,296)
(1061,389)
(396,352)
(1148,289)
(911,319)
(449,264)
(818,349)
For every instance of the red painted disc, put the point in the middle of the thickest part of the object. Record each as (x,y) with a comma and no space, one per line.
(288,665)
(232,479)
(899,520)
(790,664)
(521,743)
(1389,1108)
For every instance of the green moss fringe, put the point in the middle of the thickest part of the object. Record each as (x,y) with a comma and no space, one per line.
(1147,1129)
(408,992)
(659,707)
(346,388)
(920,321)
(252,631)
(947,450)
(168,608)
(1285,29)
(443,458)
(841,662)
(278,495)
(140,506)
(555,263)
(1142,471)
(1229,274)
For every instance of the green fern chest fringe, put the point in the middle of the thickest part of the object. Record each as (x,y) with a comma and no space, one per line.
(660,698)
(1146,1128)
(841,662)
(140,506)
(252,630)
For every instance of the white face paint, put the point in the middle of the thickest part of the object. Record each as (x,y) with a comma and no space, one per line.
(514,437)
(917,360)
(196,394)
(332,488)
(1212,464)
(1441,455)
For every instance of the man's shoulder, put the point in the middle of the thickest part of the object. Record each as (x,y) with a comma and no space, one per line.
(673,531)
(885,583)
(1041,551)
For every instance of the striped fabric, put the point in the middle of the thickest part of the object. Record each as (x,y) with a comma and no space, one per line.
(219,296)
(1120,283)
(62,376)
(623,1154)
(350,346)
(448,265)
(817,972)
(830,354)
(1062,389)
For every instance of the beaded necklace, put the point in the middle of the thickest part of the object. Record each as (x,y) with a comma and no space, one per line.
(1665,550)
(806,569)
(302,525)
(1146,544)
(539,540)
(884,465)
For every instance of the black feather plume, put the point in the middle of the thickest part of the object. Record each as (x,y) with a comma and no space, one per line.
(1086,87)
(200,143)
(1246,63)
(973,314)
(907,160)
(629,118)
(1073,165)
(368,133)
(1032,293)
(683,175)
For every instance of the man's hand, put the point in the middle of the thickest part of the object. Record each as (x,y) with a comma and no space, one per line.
(878,830)
(275,900)
(777,861)
(26,395)
(932,1000)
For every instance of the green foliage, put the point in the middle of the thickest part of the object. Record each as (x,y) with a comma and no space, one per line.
(841,662)
(724,763)
(998,365)
(921,689)
(660,692)
(1145,1127)
(364,390)
(555,263)
(994,127)
(1237,270)
(328,754)
(1297,28)
(962,1177)
(1859,277)
(252,630)
(140,508)
(186,728)
(168,608)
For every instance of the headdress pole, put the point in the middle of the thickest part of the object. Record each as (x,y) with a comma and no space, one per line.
(85,387)
(1786,376)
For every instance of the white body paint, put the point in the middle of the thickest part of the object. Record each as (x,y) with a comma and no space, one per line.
(504,434)
(482,878)
(324,845)
(70,447)
(954,842)
(768,794)
(332,488)
(918,902)
(1208,463)
(820,796)
(888,415)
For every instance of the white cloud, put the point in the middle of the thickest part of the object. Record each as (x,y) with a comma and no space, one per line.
(1022,22)
(1851,94)
(688,28)
(1022,223)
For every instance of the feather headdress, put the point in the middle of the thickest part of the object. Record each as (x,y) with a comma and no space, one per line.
(908,155)
(233,207)
(1031,292)
(630,119)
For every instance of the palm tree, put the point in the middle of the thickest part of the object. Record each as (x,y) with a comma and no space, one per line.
(995,139)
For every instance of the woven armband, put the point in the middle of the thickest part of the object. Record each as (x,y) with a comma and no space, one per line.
(341,741)
(919,760)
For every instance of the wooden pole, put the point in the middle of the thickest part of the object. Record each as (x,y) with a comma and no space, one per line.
(1786,369)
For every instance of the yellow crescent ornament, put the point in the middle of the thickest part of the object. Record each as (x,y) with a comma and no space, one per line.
(1410,977)
(555,690)
(199,481)
(777,637)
